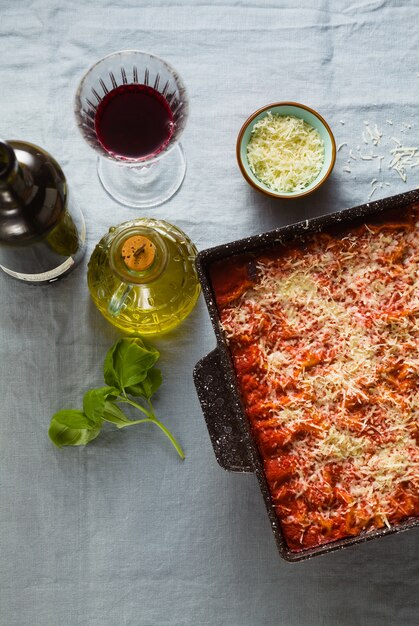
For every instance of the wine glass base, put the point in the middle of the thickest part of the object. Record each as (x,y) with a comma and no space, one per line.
(143,186)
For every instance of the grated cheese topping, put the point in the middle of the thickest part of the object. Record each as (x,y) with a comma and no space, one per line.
(285,152)
(325,345)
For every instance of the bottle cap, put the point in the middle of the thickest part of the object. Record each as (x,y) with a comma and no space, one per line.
(138,253)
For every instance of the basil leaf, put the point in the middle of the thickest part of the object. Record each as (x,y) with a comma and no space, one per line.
(73,419)
(112,413)
(95,399)
(110,375)
(148,386)
(128,362)
(61,435)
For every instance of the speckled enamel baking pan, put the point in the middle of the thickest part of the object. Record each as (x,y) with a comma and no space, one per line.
(216,384)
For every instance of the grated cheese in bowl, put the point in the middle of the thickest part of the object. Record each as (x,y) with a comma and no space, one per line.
(285,152)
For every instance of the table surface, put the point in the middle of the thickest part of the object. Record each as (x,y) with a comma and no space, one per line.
(121,532)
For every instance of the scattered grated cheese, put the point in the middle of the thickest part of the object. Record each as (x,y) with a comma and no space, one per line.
(380,162)
(403,158)
(285,152)
(368,129)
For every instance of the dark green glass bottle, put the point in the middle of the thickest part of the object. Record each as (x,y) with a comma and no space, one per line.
(42,236)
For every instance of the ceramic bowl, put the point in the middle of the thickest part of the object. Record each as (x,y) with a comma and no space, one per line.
(311,117)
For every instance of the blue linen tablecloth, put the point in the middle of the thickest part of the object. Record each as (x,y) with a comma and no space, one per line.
(122,533)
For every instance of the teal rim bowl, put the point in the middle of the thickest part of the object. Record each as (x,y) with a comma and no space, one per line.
(297,110)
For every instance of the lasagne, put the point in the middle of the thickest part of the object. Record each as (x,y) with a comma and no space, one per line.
(324,341)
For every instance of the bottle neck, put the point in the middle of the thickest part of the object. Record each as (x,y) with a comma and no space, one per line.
(13,183)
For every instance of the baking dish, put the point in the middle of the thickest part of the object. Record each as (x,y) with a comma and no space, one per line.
(216,382)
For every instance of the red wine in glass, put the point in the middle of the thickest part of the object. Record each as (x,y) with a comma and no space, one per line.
(134,122)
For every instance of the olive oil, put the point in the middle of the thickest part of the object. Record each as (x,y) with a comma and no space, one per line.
(142,276)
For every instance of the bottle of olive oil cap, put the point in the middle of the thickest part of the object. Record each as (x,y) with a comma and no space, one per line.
(40,239)
(142,276)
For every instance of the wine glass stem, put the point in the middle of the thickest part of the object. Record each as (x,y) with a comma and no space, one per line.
(145,174)
(143,185)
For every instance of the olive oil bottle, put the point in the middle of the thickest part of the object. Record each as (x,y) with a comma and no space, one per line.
(142,276)
(42,238)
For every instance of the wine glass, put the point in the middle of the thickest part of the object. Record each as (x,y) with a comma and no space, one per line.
(131,107)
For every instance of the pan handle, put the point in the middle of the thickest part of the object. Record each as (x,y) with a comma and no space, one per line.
(220,413)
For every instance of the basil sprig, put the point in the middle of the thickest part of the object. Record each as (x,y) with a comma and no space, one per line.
(128,372)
